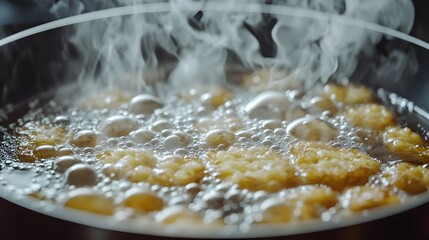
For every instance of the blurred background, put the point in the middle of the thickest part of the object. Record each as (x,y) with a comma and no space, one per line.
(17,15)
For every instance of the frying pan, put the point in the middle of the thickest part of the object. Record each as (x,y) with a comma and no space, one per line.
(35,68)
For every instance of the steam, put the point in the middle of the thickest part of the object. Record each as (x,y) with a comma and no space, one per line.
(128,51)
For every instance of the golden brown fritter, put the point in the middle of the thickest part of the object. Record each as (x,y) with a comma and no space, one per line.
(351,94)
(306,202)
(338,168)
(405,143)
(254,169)
(372,116)
(38,141)
(86,199)
(366,197)
(142,166)
(407,177)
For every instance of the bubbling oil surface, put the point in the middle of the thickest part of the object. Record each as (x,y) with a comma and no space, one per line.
(214,156)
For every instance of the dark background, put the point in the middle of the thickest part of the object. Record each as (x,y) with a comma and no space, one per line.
(38,61)
(19,223)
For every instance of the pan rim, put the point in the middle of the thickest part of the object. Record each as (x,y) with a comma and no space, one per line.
(263,231)
(216,7)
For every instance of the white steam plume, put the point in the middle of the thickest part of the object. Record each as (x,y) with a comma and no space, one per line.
(122,50)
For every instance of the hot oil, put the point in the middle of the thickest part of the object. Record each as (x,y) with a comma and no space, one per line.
(184,127)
